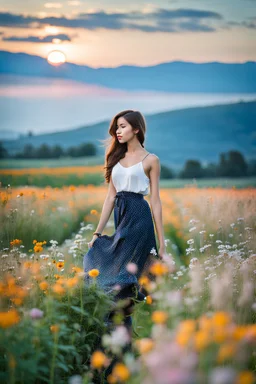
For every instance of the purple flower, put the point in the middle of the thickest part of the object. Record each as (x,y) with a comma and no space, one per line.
(36,313)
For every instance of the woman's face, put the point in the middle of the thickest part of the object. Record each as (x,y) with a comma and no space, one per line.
(124,130)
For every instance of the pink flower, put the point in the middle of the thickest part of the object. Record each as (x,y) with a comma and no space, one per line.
(132,268)
(36,313)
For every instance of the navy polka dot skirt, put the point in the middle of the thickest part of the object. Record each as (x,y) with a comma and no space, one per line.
(127,254)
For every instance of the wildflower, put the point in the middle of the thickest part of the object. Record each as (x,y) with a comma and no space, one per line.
(54,328)
(94,212)
(36,313)
(245,377)
(77,269)
(72,282)
(60,264)
(143,280)
(226,351)
(57,288)
(158,269)
(121,372)
(15,242)
(93,273)
(98,360)
(144,345)
(38,247)
(159,317)
(201,340)
(132,268)
(8,319)
(43,285)
(149,299)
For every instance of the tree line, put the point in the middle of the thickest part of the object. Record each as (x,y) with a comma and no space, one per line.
(45,151)
(230,164)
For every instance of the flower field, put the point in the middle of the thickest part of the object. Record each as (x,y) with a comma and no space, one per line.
(196,326)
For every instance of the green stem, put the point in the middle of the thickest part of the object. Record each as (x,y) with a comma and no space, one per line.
(55,349)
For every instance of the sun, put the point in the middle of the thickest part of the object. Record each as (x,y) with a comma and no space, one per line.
(56,57)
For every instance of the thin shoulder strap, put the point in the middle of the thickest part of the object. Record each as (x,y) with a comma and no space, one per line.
(145,156)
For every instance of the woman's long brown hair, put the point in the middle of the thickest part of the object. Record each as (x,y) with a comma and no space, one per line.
(115,150)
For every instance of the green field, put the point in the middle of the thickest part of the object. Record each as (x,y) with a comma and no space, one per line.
(50,163)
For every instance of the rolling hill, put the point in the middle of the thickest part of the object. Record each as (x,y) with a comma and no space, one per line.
(175,136)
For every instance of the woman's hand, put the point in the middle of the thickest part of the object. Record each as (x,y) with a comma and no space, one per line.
(90,244)
(162,252)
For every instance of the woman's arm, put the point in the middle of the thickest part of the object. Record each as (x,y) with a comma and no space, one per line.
(107,207)
(155,201)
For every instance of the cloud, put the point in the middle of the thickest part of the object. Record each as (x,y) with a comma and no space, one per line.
(53,5)
(38,39)
(159,20)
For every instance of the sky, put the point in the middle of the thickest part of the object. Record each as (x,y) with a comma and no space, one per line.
(105,33)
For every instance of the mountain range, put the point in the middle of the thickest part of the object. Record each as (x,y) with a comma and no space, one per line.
(175,76)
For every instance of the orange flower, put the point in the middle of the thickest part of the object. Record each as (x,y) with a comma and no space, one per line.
(15,242)
(60,264)
(57,288)
(55,328)
(93,273)
(77,269)
(72,282)
(144,345)
(158,269)
(121,372)
(149,299)
(245,377)
(159,317)
(8,319)
(98,360)
(43,285)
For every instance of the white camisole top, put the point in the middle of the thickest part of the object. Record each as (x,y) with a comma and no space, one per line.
(131,178)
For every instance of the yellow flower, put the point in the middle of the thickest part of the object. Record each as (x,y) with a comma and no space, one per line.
(98,360)
(245,377)
(121,372)
(158,269)
(43,285)
(149,299)
(93,273)
(94,212)
(159,317)
(8,319)
(34,241)
(144,345)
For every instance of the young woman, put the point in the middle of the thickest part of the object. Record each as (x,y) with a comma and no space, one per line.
(127,254)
